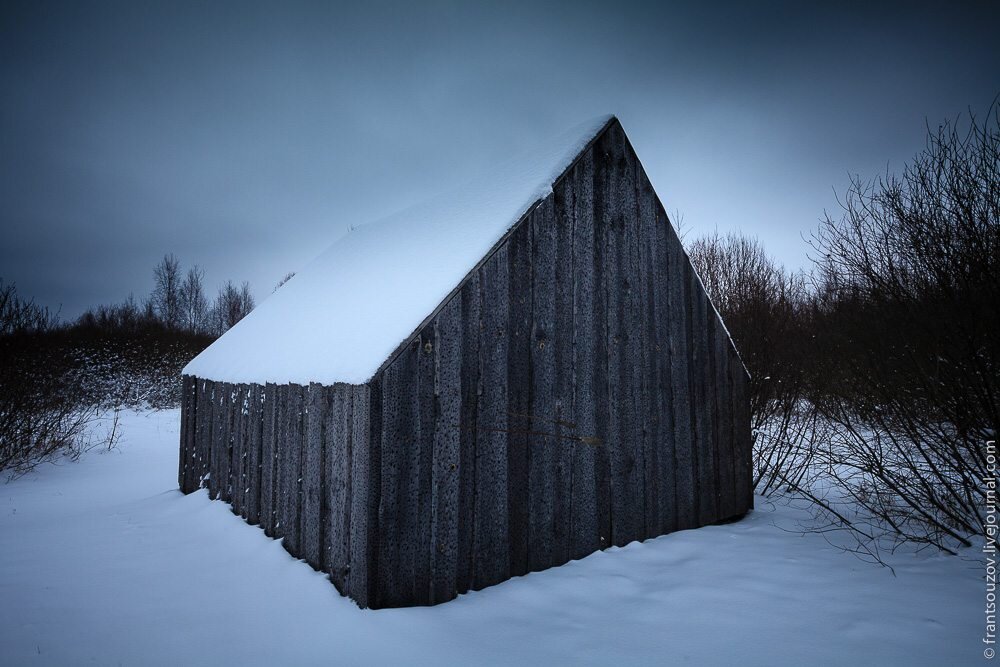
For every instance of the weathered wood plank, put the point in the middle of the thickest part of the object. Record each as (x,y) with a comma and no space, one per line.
(716,419)
(708,486)
(189,434)
(446,454)
(218,466)
(228,406)
(237,475)
(662,386)
(543,446)
(469,431)
(396,429)
(585,536)
(270,399)
(291,470)
(281,439)
(490,514)
(519,394)
(425,408)
(632,341)
(744,439)
(211,434)
(626,491)
(247,468)
(648,350)
(723,388)
(339,435)
(313,518)
(214,441)
(233,412)
(254,438)
(366,420)
(206,406)
(186,444)
(601,368)
(617,429)
(249,459)
(562,343)
(408,446)
(196,465)
(686,473)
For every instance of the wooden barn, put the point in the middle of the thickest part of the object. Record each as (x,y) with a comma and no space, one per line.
(488,384)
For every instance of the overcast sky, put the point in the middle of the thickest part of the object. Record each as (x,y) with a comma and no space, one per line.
(245,137)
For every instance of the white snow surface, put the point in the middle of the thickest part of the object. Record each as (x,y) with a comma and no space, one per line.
(343,314)
(105,562)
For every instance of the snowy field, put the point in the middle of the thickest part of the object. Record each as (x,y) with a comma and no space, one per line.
(103,561)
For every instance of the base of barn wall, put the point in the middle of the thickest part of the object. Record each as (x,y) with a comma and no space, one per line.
(393,526)
(576,390)
(284,457)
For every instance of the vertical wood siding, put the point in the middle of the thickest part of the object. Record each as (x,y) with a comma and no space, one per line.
(575,391)
(299,455)
(595,397)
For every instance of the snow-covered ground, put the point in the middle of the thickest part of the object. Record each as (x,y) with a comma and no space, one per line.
(103,561)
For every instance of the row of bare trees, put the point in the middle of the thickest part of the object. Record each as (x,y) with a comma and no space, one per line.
(57,379)
(876,375)
(178,303)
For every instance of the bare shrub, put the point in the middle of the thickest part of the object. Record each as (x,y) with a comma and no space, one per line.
(876,386)
(42,413)
(908,373)
(20,316)
(42,418)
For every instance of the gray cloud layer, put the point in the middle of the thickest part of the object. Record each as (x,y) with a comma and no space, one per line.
(246,136)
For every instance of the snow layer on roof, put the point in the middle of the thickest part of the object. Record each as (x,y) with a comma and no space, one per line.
(340,317)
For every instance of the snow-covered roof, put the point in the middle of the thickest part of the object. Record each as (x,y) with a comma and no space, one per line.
(339,318)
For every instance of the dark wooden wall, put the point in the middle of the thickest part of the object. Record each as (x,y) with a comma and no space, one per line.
(576,391)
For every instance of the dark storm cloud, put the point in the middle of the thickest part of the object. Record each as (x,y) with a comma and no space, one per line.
(244,136)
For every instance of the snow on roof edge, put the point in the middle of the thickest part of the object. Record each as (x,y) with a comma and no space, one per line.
(300,324)
(610,118)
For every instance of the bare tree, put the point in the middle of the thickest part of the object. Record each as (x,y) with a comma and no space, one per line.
(166,291)
(247,302)
(231,305)
(193,304)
